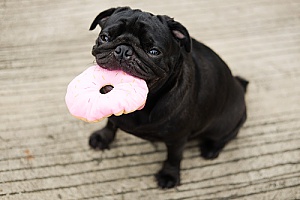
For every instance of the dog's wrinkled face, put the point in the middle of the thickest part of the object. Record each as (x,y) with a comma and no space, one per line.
(139,43)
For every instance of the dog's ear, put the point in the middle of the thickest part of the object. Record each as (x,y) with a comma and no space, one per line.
(180,33)
(103,16)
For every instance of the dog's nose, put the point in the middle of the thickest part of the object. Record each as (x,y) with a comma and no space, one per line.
(123,52)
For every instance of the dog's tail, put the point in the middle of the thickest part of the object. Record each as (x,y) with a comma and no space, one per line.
(243,82)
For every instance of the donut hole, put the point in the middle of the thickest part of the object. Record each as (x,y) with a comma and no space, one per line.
(106,89)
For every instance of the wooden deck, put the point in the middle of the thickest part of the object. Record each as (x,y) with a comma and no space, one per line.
(44,152)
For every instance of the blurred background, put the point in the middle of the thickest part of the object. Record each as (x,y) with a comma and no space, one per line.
(44,152)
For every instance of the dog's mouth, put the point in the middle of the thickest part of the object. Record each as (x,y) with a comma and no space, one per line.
(131,60)
(132,66)
(128,67)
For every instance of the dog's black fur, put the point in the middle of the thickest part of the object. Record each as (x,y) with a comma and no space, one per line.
(192,93)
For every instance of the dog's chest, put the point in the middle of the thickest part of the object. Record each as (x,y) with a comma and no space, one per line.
(139,125)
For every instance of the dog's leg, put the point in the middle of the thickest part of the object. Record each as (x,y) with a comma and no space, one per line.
(101,139)
(210,148)
(169,175)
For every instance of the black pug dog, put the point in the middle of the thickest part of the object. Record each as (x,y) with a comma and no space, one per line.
(192,93)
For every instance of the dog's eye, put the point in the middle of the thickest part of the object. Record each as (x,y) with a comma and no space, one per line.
(104,38)
(154,52)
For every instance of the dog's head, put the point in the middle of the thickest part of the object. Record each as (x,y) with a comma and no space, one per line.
(141,44)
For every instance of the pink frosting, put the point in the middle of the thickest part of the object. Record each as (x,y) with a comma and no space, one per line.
(85,102)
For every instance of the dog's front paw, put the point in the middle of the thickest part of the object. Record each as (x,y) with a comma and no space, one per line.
(167,180)
(98,141)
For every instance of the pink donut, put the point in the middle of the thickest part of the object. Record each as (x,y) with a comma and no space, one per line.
(85,101)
